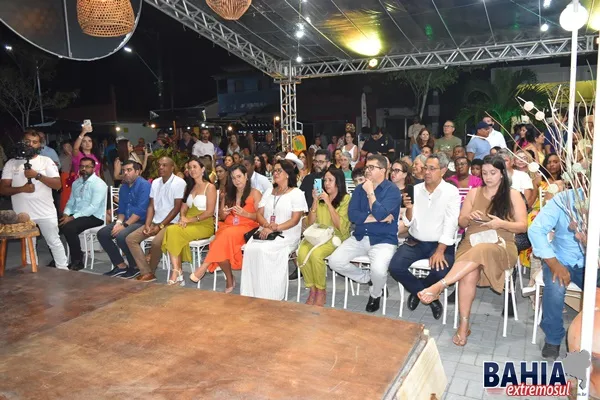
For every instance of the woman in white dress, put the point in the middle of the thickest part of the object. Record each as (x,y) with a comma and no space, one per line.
(351,148)
(265,262)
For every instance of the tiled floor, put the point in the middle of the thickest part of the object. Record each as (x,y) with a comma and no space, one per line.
(463,365)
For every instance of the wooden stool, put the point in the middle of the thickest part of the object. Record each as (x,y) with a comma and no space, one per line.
(26,240)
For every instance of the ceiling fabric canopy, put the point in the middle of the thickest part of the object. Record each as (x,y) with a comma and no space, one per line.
(333,31)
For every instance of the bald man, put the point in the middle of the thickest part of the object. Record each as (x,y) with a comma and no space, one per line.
(166,197)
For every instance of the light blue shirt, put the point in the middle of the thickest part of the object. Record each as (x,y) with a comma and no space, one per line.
(564,246)
(479,146)
(88,198)
(51,154)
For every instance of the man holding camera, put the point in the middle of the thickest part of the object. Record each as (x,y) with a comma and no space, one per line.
(35,198)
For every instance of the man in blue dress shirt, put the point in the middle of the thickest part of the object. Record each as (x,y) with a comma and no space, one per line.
(134,196)
(85,209)
(374,209)
(562,263)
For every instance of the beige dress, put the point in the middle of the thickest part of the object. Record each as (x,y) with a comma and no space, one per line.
(494,258)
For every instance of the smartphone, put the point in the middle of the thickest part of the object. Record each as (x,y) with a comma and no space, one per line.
(149,147)
(87,122)
(318,185)
(409,191)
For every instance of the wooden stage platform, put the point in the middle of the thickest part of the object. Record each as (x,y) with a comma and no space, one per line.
(67,335)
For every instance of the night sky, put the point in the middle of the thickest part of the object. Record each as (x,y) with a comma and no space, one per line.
(189,62)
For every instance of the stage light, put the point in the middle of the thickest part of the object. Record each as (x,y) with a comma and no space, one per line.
(203,125)
(571,20)
(153,126)
(299,33)
(170,128)
(373,62)
(188,128)
(277,118)
(128,49)
(547,3)
(366,44)
(298,59)
(544,27)
(8,47)
(118,129)
(230,128)
(594,21)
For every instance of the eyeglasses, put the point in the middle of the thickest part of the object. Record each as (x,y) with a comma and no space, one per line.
(448,126)
(85,167)
(397,171)
(372,167)
(431,169)
(277,170)
(461,164)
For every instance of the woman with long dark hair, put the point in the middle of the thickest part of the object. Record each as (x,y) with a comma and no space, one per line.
(265,263)
(221,182)
(535,139)
(491,214)
(237,212)
(521,136)
(425,138)
(196,221)
(259,165)
(329,209)
(85,146)
(126,152)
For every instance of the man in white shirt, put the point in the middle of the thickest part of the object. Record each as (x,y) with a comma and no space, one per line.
(166,196)
(519,180)
(257,181)
(35,198)
(432,221)
(495,138)
(204,146)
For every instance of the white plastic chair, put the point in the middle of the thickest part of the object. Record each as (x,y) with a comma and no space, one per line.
(363,263)
(537,307)
(350,186)
(420,269)
(90,235)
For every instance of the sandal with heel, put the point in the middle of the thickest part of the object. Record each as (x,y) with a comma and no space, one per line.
(434,296)
(178,280)
(461,342)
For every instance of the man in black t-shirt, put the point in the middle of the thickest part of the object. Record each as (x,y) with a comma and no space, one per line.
(320,165)
(379,143)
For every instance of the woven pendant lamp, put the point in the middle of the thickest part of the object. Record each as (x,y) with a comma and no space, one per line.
(105,18)
(229,9)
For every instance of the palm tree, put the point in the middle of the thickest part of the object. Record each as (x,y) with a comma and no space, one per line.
(498,99)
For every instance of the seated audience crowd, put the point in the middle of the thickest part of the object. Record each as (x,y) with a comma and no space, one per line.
(459,207)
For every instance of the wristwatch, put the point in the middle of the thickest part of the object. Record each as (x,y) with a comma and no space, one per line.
(161,226)
(125,224)
(38,176)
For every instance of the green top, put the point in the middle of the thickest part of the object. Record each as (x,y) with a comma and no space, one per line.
(324,217)
(446,145)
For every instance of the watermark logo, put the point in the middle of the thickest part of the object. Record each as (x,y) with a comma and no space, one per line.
(537,378)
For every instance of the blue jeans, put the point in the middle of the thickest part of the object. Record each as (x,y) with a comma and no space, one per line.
(106,241)
(552,301)
(406,255)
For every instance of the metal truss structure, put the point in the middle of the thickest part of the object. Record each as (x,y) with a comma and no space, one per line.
(446,58)
(206,25)
(287,96)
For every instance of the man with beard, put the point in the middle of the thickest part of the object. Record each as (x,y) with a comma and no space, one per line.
(134,196)
(35,198)
(85,209)
(320,165)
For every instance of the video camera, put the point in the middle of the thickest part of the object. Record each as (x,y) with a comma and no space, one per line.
(23,151)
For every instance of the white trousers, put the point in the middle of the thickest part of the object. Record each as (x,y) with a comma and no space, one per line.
(49,230)
(379,257)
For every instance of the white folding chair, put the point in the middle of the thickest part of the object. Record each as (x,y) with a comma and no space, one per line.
(350,186)
(509,286)
(198,246)
(363,262)
(420,269)
(90,235)
(537,307)
(542,197)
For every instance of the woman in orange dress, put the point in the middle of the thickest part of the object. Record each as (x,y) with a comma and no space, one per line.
(237,212)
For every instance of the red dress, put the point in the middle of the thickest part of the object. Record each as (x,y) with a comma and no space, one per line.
(229,239)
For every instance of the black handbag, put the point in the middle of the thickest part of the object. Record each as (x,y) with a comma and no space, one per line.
(521,239)
(270,236)
(250,233)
